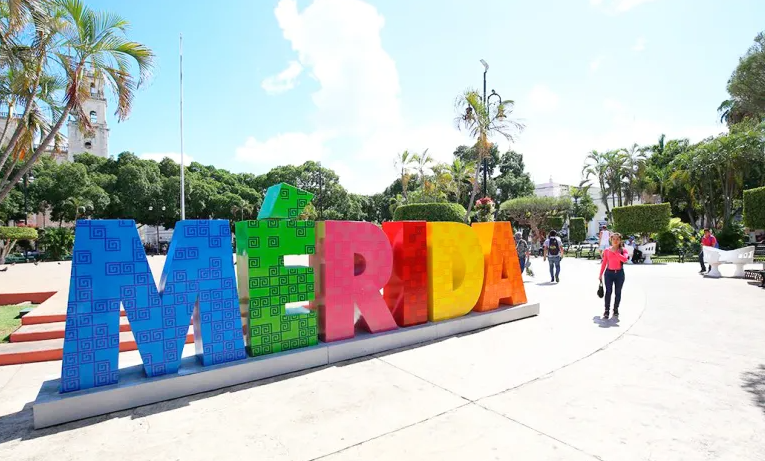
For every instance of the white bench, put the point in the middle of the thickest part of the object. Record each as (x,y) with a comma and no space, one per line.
(740,257)
(648,250)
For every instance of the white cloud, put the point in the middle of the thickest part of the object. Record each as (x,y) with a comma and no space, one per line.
(612,105)
(284,80)
(283,149)
(596,63)
(596,2)
(174,156)
(358,125)
(639,44)
(543,99)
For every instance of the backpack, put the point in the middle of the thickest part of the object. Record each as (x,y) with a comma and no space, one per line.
(553,248)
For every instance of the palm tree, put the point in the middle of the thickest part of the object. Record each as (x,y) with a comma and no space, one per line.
(483,121)
(403,164)
(423,161)
(634,172)
(89,44)
(596,165)
(461,174)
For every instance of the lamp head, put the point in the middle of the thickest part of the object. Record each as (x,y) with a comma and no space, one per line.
(485,64)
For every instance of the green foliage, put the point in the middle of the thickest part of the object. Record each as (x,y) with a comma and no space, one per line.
(747,86)
(642,219)
(57,242)
(584,206)
(732,236)
(432,212)
(678,236)
(577,229)
(553,223)
(754,208)
(533,211)
(18,233)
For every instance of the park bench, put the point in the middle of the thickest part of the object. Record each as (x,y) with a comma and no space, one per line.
(716,257)
(756,274)
(648,250)
(591,253)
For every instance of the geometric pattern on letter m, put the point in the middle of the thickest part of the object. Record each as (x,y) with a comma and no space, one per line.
(109,268)
(262,246)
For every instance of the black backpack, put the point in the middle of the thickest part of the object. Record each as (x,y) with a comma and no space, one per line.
(553,249)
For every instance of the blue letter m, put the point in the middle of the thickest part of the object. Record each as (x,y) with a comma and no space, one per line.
(109,267)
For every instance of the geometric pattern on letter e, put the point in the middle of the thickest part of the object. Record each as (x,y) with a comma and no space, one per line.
(356,263)
(109,268)
(455,270)
(502,282)
(406,294)
(262,246)
(283,201)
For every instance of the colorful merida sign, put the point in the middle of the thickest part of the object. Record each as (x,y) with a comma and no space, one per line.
(405,274)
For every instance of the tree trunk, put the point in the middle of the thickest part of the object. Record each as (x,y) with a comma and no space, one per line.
(472,197)
(39,151)
(27,109)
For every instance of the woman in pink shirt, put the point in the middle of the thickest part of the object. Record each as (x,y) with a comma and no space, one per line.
(612,266)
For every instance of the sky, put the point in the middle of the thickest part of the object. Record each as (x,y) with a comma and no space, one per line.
(351,83)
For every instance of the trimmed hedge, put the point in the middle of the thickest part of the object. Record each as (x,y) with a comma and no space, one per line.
(754,208)
(642,219)
(433,212)
(577,230)
(553,223)
(18,233)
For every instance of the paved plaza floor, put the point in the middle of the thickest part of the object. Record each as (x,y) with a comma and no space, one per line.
(681,377)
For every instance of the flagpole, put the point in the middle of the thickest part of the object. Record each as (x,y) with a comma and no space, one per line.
(183,165)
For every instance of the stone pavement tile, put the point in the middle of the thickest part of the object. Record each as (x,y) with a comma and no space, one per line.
(300,418)
(491,361)
(467,433)
(633,401)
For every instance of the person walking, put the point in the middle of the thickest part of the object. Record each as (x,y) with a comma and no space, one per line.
(604,238)
(612,267)
(708,240)
(553,249)
(522,248)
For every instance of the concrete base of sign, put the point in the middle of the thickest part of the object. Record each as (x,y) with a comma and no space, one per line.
(134,389)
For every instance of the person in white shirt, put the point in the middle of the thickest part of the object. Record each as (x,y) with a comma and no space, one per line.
(604,238)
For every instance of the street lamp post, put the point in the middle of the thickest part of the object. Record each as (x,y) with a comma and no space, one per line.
(485,162)
(321,195)
(163,208)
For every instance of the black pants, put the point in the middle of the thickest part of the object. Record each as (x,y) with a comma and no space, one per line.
(636,256)
(614,279)
(701,260)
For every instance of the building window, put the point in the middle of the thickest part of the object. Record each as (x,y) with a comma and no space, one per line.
(93,116)
(92,89)
(88,145)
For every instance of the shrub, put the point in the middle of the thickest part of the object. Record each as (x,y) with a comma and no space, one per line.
(10,235)
(679,235)
(553,223)
(642,219)
(577,230)
(731,237)
(58,242)
(433,212)
(754,208)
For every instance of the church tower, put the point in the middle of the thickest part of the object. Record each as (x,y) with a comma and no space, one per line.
(96,141)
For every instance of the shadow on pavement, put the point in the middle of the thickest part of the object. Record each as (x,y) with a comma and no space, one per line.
(754,383)
(600,322)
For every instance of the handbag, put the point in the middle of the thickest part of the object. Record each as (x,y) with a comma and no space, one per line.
(600,290)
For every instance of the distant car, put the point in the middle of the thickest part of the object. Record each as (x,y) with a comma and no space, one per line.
(591,240)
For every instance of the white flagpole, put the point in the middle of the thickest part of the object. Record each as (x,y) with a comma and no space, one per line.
(183,166)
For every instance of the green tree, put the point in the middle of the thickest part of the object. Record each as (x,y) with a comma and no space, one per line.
(79,41)
(583,207)
(746,86)
(533,211)
(482,121)
(513,181)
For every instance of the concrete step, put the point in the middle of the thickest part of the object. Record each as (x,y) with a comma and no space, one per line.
(53,330)
(52,349)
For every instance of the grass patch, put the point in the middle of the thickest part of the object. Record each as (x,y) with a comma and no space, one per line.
(9,321)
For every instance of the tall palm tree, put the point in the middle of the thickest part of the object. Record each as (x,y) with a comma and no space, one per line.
(90,43)
(423,161)
(403,164)
(596,165)
(482,121)
(461,177)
